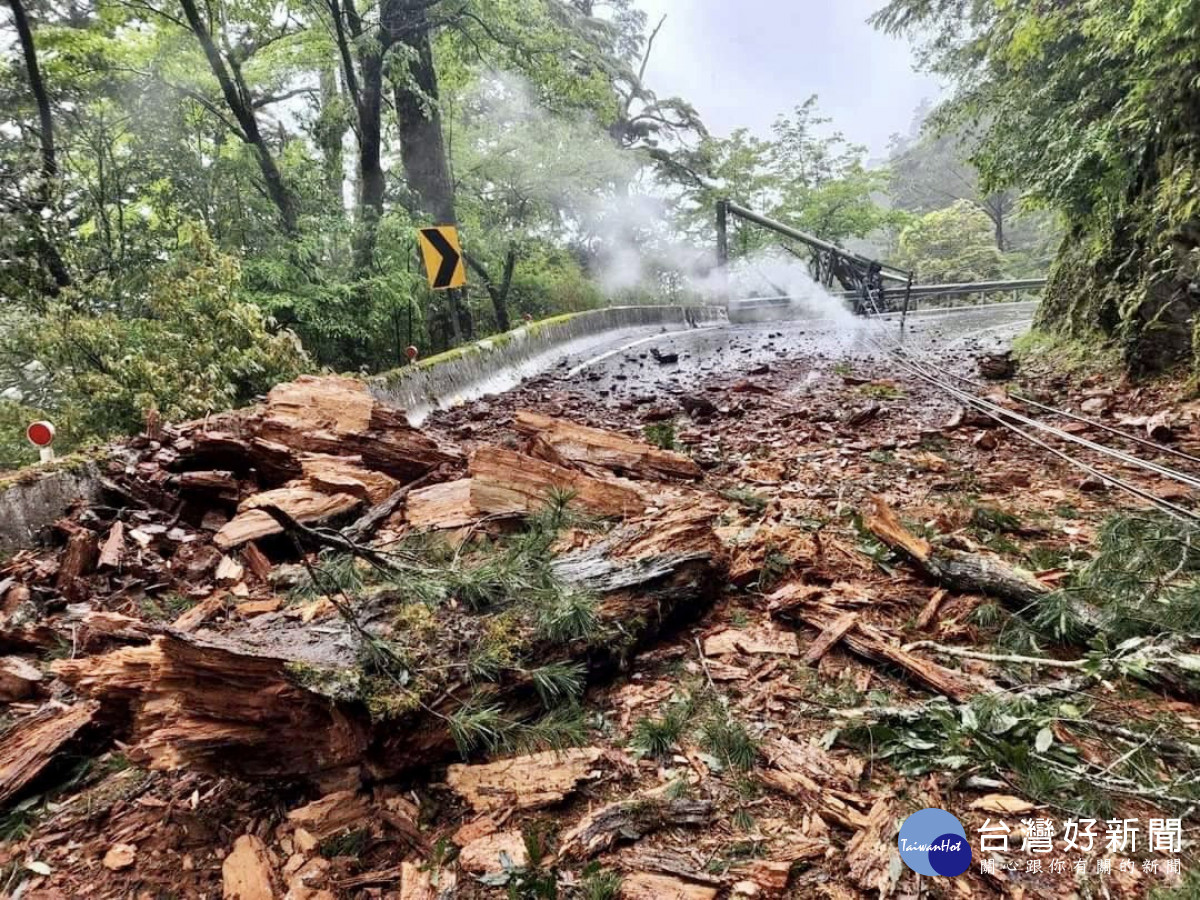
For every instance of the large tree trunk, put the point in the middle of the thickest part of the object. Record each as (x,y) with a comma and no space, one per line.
(498,293)
(330,129)
(371,183)
(238,99)
(47,251)
(422,146)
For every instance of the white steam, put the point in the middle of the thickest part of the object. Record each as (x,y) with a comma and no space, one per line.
(565,179)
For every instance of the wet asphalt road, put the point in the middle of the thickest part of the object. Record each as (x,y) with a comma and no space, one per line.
(625,366)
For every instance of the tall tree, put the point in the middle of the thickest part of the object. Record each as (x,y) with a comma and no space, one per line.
(1088,106)
(227,69)
(47,248)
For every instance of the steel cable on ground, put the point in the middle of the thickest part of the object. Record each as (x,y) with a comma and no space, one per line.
(999,414)
(1127,458)
(1021,398)
(1165,471)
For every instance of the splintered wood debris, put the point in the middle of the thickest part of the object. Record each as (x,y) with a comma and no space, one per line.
(526,782)
(313,624)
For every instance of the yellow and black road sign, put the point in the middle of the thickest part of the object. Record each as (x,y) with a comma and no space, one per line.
(443,257)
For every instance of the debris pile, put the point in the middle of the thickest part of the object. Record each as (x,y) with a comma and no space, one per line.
(714,644)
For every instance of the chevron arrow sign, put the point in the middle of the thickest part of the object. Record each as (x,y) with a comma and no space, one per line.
(443,257)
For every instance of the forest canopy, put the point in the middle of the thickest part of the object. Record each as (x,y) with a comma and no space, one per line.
(199,199)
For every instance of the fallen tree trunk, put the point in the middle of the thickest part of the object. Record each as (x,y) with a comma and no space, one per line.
(961,571)
(277,698)
(956,569)
(562,442)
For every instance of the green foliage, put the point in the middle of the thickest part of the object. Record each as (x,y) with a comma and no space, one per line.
(192,347)
(352,843)
(599,884)
(727,740)
(15,449)
(658,736)
(1088,108)
(951,246)
(804,175)
(660,434)
(1144,580)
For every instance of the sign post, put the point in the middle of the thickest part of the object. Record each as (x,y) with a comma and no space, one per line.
(41,435)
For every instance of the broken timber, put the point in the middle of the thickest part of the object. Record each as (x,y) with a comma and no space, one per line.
(565,442)
(263,700)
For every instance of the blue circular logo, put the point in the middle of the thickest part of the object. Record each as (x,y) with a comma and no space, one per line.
(933,842)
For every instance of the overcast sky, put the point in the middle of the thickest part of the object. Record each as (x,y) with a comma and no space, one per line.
(743,62)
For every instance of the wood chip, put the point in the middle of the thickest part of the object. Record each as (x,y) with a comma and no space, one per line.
(426,883)
(114,546)
(30,745)
(1003,804)
(246,873)
(119,856)
(526,782)
(20,679)
(648,886)
(872,855)
(494,853)
(761,640)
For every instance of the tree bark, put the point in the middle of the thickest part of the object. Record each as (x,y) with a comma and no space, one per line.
(422,145)
(368,101)
(498,293)
(48,252)
(237,97)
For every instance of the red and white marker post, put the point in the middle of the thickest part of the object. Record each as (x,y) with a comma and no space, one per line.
(41,435)
(412,353)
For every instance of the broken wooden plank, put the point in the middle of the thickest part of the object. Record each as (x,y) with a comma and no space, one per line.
(504,482)
(572,443)
(525,782)
(114,547)
(836,630)
(631,819)
(302,504)
(930,610)
(191,619)
(32,744)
